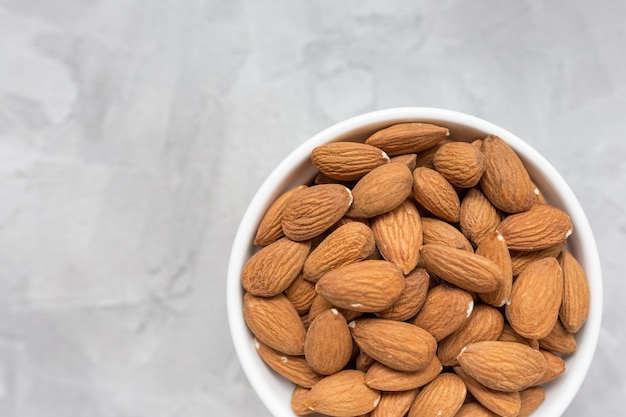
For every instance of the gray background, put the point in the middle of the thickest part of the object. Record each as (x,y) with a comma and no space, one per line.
(133,135)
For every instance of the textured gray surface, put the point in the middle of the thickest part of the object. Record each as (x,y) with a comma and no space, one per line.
(133,134)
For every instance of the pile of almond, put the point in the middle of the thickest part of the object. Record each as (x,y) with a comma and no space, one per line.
(416,275)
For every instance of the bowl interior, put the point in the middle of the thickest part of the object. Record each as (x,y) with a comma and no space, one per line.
(274,390)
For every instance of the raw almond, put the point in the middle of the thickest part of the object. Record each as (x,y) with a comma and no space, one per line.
(485,323)
(460,163)
(505,404)
(442,397)
(393,181)
(275,322)
(494,247)
(298,396)
(505,181)
(384,378)
(294,368)
(503,366)
(474,410)
(555,366)
(478,216)
(347,161)
(535,299)
(438,232)
(575,304)
(446,309)
(363,361)
(320,304)
(509,335)
(408,159)
(559,340)
(328,343)
(412,298)
(367,286)
(398,235)
(394,404)
(538,228)
(436,194)
(270,228)
(425,158)
(348,244)
(398,345)
(405,138)
(343,394)
(531,400)
(521,259)
(301,294)
(462,268)
(311,211)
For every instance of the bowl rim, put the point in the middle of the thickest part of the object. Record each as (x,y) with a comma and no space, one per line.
(279,178)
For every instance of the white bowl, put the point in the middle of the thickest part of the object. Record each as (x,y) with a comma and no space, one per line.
(296,169)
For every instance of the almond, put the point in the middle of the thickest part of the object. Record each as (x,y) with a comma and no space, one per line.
(368,286)
(538,228)
(555,366)
(505,404)
(275,322)
(442,397)
(412,298)
(438,232)
(298,396)
(393,181)
(343,394)
(446,309)
(301,294)
(460,163)
(474,410)
(406,138)
(294,368)
(478,216)
(347,161)
(320,304)
(575,304)
(398,235)
(408,159)
(270,228)
(436,194)
(348,244)
(485,323)
(505,181)
(494,247)
(273,268)
(509,335)
(384,378)
(425,158)
(502,366)
(535,299)
(328,343)
(311,211)
(521,259)
(394,404)
(398,345)
(363,361)
(531,399)
(559,340)
(462,268)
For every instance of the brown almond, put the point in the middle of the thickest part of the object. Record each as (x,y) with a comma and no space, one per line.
(559,340)
(406,138)
(466,270)
(505,404)
(478,216)
(442,397)
(391,181)
(398,235)
(313,210)
(363,362)
(438,232)
(398,345)
(555,366)
(298,396)
(348,244)
(521,259)
(367,286)
(425,158)
(531,400)
(408,159)
(503,366)
(270,228)
(575,304)
(347,161)
(509,335)
(474,409)
(494,247)
(394,404)
(538,228)
(536,295)
(505,181)
(301,294)
(328,343)
(293,368)
(343,394)
(320,304)
(460,163)
(384,378)
(436,194)
(446,309)
(412,298)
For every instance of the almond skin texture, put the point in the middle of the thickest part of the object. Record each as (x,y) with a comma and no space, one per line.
(398,235)
(464,269)
(460,163)
(343,394)
(275,322)
(535,299)
(270,228)
(575,304)
(383,378)
(478,216)
(505,404)
(311,211)
(531,399)
(438,232)
(509,335)
(409,160)
(442,397)
(394,404)
(555,366)
(485,323)
(301,294)
(494,247)
(436,194)
(381,190)
(328,343)
(412,298)
(367,286)
(521,259)
(474,410)
(503,366)
(505,182)
(348,244)
(446,309)
(273,269)
(297,401)
(405,138)
(294,368)
(538,228)
(347,161)
(320,304)
(559,340)
(398,345)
